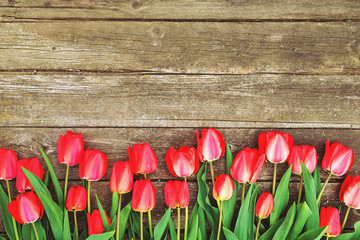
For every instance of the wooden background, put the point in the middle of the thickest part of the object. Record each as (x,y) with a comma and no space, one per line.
(128,71)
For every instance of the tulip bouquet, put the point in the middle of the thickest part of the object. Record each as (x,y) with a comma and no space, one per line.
(37,214)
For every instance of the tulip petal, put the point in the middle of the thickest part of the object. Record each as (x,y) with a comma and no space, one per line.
(14,211)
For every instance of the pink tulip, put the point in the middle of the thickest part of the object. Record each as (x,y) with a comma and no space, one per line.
(330,217)
(337,159)
(93,165)
(183,162)
(276,145)
(223,187)
(8,161)
(70,148)
(211,145)
(305,154)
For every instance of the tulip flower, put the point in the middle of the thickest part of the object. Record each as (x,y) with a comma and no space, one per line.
(337,161)
(121,181)
(8,161)
(142,159)
(76,201)
(70,152)
(95,223)
(246,167)
(92,167)
(143,200)
(330,217)
(264,206)
(223,190)
(183,162)
(277,146)
(34,166)
(350,194)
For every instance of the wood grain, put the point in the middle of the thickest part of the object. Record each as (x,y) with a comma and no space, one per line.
(82,100)
(180,9)
(181,47)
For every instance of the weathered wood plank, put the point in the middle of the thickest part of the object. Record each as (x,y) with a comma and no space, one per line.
(115,141)
(53,99)
(181,47)
(180,9)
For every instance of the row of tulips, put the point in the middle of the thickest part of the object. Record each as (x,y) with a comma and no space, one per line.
(301,221)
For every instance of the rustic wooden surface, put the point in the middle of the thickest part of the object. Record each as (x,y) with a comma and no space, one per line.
(125,72)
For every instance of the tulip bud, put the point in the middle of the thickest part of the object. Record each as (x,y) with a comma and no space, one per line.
(247,165)
(27,208)
(330,217)
(350,191)
(337,159)
(182,163)
(276,145)
(76,199)
(93,165)
(70,148)
(142,159)
(34,166)
(8,161)
(176,194)
(211,145)
(305,154)
(144,196)
(95,223)
(121,179)
(223,187)
(264,205)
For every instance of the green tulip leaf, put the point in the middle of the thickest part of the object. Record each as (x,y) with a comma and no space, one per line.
(281,197)
(193,232)
(131,231)
(268,235)
(160,228)
(229,235)
(28,231)
(66,227)
(54,179)
(136,225)
(202,224)
(284,229)
(345,236)
(1,238)
(124,217)
(317,180)
(6,216)
(303,212)
(315,234)
(103,214)
(251,221)
(114,205)
(102,236)
(310,197)
(172,229)
(242,222)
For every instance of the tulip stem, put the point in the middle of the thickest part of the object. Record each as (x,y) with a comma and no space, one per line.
(186,221)
(145,176)
(66,182)
(300,189)
(141,226)
(257,229)
(243,193)
(212,173)
(13,219)
(118,217)
(35,231)
(322,189)
(76,226)
(327,237)
(88,197)
(274,180)
(220,218)
(150,225)
(178,224)
(345,219)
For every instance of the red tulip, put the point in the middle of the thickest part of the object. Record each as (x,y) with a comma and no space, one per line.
(276,145)
(76,199)
(95,222)
(223,187)
(144,196)
(27,208)
(350,191)
(337,159)
(330,217)
(33,165)
(305,154)
(184,162)
(142,159)
(121,179)
(93,165)
(264,205)
(8,161)
(247,165)
(176,194)
(70,148)
(211,146)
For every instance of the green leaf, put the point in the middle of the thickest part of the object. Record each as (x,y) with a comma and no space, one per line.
(251,221)
(114,204)
(136,225)
(124,217)
(202,224)
(28,231)
(281,197)
(102,236)
(193,232)
(131,231)
(6,216)
(268,235)
(302,214)
(52,210)
(345,236)
(310,198)
(317,180)
(229,235)
(54,179)
(66,227)
(242,222)
(103,214)
(284,229)
(1,238)
(172,230)
(160,228)
(314,234)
